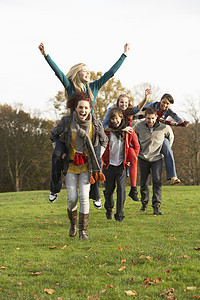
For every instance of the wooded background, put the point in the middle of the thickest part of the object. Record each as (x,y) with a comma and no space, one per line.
(25,147)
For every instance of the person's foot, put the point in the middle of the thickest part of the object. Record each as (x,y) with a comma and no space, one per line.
(97,204)
(109,214)
(157,211)
(174,180)
(53,197)
(133,193)
(143,208)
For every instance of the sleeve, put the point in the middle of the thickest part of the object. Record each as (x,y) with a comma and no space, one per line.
(61,76)
(57,131)
(174,116)
(103,139)
(106,118)
(97,84)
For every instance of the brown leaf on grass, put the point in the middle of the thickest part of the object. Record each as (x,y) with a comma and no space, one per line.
(166,270)
(131,293)
(158,280)
(20,283)
(197,248)
(94,297)
(186,257)
(133,262)
(53,247)
(108,274)
(90,249)
(190,288)
(49,291)
(127,247)
(147,280)
(63,247)
(37,273)
(110,286)
(79,291)
(122,268)
(168,292)
(131,279)
(149,257)
(120,248)
(3,268)
(102,292)
(123,261)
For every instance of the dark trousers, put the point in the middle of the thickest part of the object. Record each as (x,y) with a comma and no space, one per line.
(115,175)
(58,165)
(146,168)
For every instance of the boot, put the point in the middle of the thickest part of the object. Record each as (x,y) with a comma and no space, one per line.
(156,210)
(72,215)
(83,226)
(143,208)
(133,193)
(109,215)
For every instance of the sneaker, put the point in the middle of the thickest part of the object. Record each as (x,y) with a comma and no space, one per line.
(53,197)
(109,214)
(174,180)
(97,204)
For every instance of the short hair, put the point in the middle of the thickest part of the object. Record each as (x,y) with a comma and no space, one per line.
(168,97)
(73,101)
(150,111)
(116,111)
(122,96)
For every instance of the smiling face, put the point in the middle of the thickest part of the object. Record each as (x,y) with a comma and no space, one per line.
(151,119)
(83,109)
(164,104)
(123,103)
(116,120)
(84,74)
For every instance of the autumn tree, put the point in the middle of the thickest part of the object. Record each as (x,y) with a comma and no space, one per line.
(25,151)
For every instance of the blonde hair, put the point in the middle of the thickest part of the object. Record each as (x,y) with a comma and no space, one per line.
(75,79)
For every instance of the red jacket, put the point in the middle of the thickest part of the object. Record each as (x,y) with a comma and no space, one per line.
(130,140)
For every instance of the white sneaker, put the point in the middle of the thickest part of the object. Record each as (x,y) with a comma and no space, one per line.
(97,204)
(53,197)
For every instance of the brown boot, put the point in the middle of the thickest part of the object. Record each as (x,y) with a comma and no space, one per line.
(83,226)
(72,215)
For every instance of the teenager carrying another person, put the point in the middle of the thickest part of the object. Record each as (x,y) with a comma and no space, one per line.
(124,104)
(77,79)
(115,160)
(163,112)
(80,132)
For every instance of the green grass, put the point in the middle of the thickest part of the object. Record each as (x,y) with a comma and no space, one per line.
(158,252)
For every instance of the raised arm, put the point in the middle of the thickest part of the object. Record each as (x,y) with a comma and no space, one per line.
(97,84)
(146,98)
(61,76)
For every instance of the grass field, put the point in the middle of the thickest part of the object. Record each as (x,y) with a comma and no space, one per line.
(145,257)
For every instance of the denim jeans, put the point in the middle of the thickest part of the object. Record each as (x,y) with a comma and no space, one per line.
(169,159)
(72,182)
(146,168)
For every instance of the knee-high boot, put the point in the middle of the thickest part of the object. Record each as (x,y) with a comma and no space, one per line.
(72,215)
(83,226)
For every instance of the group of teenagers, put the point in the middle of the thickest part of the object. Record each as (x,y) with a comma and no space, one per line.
(87,151)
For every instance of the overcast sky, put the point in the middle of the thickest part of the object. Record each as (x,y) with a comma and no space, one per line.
(164,38)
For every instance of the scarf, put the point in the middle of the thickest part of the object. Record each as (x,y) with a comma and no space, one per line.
(81,129)
(118,131)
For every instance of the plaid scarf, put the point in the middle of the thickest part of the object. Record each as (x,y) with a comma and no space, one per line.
(81,129)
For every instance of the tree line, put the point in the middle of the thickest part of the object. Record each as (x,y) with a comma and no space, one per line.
(25,147)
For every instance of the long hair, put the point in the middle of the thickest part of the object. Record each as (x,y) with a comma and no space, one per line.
(73,101)
(75,79)
(122,96)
